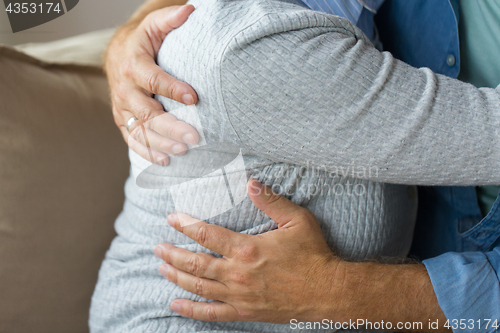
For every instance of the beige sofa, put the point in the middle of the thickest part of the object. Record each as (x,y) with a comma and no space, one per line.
(63,165)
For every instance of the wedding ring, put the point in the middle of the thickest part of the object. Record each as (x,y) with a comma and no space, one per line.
(130,122)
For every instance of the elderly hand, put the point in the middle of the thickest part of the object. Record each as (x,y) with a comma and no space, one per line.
(264,277)
(290,273)
(134,77)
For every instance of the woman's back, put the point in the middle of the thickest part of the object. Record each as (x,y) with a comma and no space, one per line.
(218,51)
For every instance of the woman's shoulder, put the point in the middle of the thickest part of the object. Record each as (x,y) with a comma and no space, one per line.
(243,21)
(218,26)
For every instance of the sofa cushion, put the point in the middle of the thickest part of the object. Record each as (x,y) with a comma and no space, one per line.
(63,164)
(85,49)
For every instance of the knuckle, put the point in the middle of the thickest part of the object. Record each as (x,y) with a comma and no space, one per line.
(202,235)
(211,313)
(305,214)
(240,278)
(194,265)
(149,18)
(171,90)
(152,124)
(246,315)
(152,81)
(167,255)
(169,130)
(274,198)
(173,276)
(119,95)
(190,311)
(248,252)
(165,146)
(144,114)
(199,287)
(126,69)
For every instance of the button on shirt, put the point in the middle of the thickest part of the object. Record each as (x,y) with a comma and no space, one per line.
(450,60)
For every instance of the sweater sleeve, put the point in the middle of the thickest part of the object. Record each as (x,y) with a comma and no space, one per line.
(315,92)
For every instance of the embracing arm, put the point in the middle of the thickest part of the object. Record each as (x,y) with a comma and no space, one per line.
(317,93)
(303,281)
(134,77)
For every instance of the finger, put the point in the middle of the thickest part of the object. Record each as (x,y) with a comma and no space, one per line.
(143,105)
(147,153)
(151,113)
(203,287)
(170,127)
(215,311)
(153,79)
(198,264)
(162,21)
(118,117)
(281,210)
(157,142)
(213,237)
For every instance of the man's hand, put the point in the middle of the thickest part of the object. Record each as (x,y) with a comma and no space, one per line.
(261,277)
(134,77)
(290,273)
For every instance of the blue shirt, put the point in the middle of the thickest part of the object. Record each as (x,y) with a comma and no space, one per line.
(460,248)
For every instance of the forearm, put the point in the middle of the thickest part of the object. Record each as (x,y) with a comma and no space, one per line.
(390,293)
(338,104)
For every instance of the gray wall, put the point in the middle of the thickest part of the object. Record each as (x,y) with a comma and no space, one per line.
(88,15)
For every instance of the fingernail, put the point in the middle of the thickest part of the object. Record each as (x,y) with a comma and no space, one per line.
(178,149)
(158,251)
(171,219)
(176,307)
(161,161)
(189,139)
(164,270)
(187,99)
(182,7)
(255,187)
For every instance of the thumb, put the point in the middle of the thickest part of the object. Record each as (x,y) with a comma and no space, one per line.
(159,23)
(168,18)
(281,210)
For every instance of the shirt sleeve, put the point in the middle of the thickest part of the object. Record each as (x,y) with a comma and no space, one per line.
(467,287)
(313,91)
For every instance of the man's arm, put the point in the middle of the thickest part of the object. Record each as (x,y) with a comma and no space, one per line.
(399,294)
(287,274)
(290,273)
(134,77)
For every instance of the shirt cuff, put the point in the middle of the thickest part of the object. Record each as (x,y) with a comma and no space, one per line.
(468,289)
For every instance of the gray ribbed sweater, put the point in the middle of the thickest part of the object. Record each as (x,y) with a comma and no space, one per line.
(310,102)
